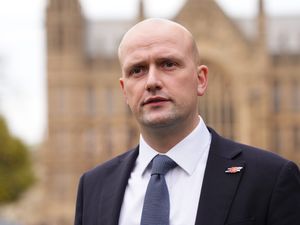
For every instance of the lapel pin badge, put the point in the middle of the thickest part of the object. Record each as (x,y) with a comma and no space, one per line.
(234,169)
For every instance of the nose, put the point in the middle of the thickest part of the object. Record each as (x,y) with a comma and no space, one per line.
(153,82)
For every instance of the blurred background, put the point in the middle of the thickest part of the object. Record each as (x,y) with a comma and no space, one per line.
(62,111)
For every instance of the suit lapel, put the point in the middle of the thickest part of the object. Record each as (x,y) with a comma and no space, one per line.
(219,188)
(114,189)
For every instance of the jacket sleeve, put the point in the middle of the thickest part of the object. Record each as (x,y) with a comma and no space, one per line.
(285,201)
(79,203)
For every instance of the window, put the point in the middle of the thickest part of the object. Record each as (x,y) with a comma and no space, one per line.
(275,139)
(61,100)
(276,96)
(90,142)
(216,106)
(296,138)
(108,140)
(296,96)
(109,100)
(91,101)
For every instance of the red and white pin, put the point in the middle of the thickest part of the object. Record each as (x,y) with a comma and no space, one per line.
(234,169)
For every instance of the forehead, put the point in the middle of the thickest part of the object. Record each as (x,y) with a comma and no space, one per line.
(157,40)
(155,48)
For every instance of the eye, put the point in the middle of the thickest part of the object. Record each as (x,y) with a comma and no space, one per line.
(168,64)
(137,71)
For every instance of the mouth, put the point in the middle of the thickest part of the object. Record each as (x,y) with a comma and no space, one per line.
(155,100)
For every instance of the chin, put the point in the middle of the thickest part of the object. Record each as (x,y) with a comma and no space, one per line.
(158,121)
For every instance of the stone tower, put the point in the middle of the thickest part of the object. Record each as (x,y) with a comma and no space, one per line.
(64,73)
(88,121)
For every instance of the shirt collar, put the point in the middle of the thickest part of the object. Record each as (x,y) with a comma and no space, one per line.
(187,153)
(146,154)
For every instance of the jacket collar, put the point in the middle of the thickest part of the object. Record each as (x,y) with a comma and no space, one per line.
(219,188)
(114,188)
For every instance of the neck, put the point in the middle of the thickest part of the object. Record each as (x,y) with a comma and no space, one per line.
(164,138)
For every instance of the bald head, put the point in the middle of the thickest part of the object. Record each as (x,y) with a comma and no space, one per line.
(154,29)
(162,77)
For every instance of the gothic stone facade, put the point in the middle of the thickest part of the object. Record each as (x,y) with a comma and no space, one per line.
(253,95)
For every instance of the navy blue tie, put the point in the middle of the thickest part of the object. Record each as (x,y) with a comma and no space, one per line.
(156,209)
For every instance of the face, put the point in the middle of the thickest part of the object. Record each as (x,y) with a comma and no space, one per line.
(161,80)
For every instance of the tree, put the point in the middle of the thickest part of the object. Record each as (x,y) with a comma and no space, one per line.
(16,174)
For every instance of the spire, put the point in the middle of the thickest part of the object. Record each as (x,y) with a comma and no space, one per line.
(261,25)
(261,6)
(63,5)
(141,15)
(64,25)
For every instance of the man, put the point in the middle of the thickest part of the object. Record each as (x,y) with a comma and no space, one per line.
(215,181)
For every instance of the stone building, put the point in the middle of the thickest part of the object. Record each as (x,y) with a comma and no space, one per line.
(253,94)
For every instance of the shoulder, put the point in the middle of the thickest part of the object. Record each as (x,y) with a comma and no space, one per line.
(265,163)
(257,158)
(110,164)
(260,156)
(262,168)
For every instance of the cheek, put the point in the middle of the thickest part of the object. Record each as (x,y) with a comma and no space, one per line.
(133,95)
(187,84)
(187,90)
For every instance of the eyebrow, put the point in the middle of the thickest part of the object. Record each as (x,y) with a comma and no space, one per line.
(171,58)
(133,64)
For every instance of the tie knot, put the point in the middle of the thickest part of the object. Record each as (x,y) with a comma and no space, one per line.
(162,164)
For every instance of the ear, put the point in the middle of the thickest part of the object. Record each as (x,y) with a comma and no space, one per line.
(202,73)
(121,80)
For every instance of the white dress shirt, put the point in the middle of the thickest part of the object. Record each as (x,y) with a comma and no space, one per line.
(184,182)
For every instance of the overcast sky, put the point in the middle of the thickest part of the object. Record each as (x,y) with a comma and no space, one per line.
(22,49)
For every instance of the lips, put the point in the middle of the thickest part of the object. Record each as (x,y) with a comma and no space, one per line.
(155,99)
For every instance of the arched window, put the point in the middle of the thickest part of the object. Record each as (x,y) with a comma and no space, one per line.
(91,101)
(276,93)
(216,105)
(295,95)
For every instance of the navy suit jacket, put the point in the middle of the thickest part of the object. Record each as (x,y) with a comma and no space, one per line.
(265,192)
